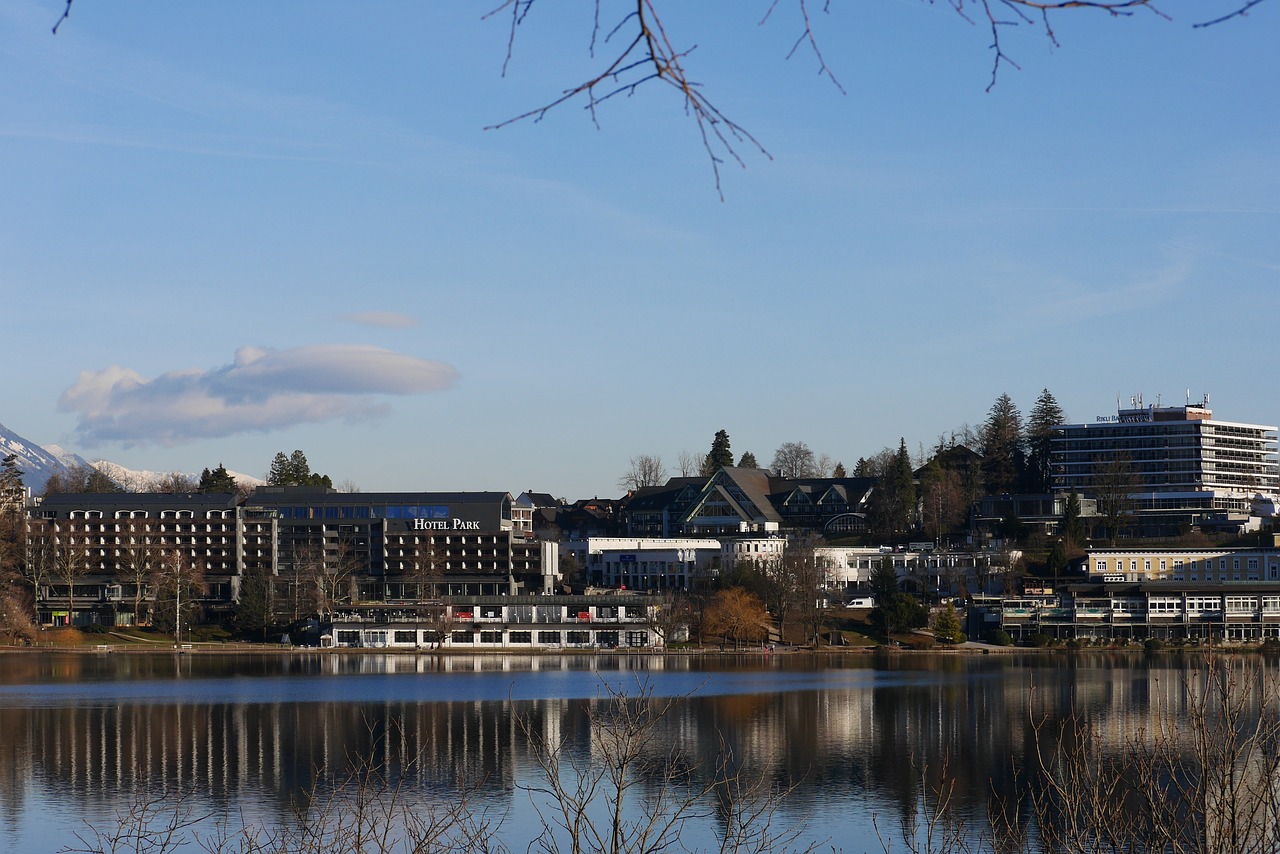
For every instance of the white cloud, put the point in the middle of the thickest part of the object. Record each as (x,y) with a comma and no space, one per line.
(388,319)
(261,390)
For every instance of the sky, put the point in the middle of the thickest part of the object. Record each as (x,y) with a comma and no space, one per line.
(230,229)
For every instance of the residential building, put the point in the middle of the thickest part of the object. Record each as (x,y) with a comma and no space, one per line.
(1182,564)
(744,501)
(1167,610)
(633,563)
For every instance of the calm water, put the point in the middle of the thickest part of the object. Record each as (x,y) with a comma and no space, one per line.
(82,735)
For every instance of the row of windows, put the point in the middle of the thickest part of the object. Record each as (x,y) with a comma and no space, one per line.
(365,511)
(352,637)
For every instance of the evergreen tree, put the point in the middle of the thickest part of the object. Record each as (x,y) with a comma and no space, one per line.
(947,629)
(254,612)
(1056,563)
(895,611)
(1004,459)
(1042,426)
(1073,532)
(12,488)
(279,474)
(862,468)
(839,472)
(884,579)
(218,480)
(904,488)
(299,468)
(294,470)
(12,543)
(748,461)
(720,455)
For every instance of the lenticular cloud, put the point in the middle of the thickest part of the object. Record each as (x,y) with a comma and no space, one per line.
(262,389)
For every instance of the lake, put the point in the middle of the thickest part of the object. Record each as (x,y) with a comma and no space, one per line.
(858,740)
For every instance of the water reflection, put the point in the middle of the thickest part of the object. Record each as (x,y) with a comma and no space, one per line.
(854,734)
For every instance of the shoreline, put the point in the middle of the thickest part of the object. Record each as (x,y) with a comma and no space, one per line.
(971,648)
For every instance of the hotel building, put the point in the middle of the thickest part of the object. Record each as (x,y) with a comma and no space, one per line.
(1187,467)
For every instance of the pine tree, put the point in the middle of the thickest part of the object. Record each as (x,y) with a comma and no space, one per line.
(1056,563)
(720,455)
(12,489)
(254,611)
(218,480)
(1004,458)
(947,629)
(1046,417)
(279,474)
(294,470)
(299,468)
(748,461)
(839,471)
(1072,525)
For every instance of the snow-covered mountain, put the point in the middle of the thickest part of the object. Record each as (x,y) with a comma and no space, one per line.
(39,463)
(135,480)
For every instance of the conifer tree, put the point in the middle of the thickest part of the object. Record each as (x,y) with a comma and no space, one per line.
(748,461)
(1004,458)
(1073,532)
(217,480)
(720,455)
(947,629)
(12,488)
(1042,426)
(294,470)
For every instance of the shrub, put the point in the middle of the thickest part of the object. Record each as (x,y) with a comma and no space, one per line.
(1153,644)
(1040,641)
(999,637)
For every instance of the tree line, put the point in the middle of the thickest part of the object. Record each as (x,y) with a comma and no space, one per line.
(931,492)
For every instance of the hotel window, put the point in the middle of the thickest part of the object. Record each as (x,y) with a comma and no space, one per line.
(549,637)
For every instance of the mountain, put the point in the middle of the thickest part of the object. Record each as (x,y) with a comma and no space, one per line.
(135,480)
(38,463)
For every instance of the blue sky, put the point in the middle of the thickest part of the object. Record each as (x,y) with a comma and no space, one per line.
(229,229)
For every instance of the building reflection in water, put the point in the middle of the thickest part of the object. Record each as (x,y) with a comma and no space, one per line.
(855,737)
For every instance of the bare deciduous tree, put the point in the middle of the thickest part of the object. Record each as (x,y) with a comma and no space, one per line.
(644,470)
(689,464)
(795,460)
